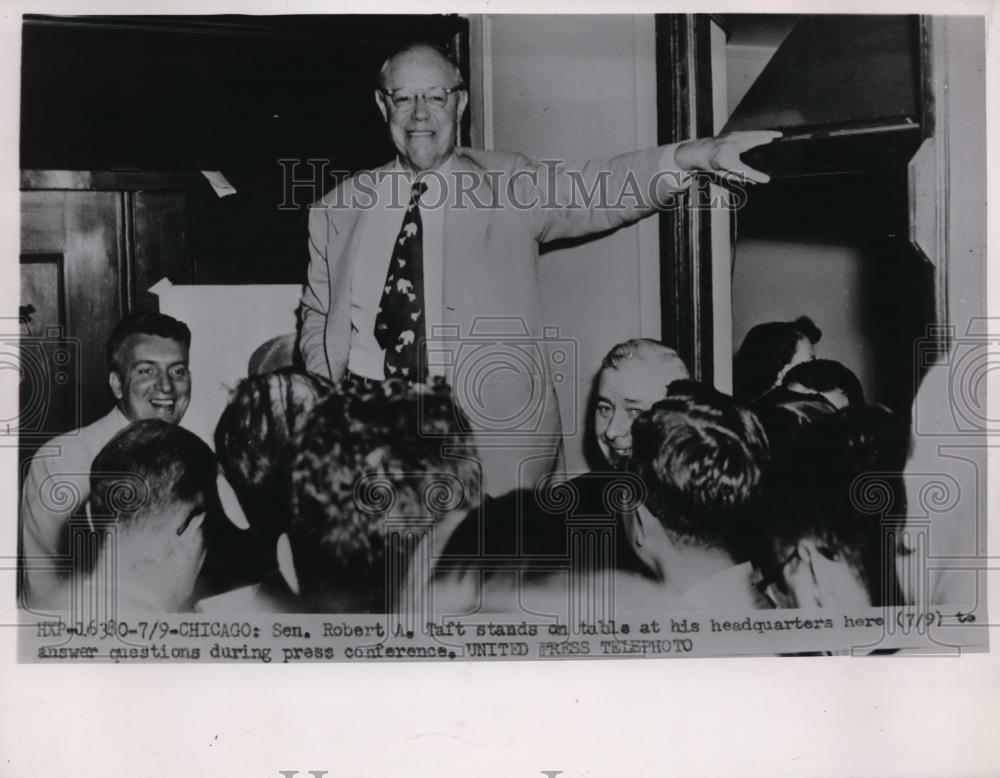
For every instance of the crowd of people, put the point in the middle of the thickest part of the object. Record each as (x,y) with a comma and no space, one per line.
(361,482)
(367,497)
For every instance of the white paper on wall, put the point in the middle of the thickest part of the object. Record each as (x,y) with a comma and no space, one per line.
(228,322)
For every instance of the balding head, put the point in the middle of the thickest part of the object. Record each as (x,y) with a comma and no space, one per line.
(634,375)
(422,99)
(422,54)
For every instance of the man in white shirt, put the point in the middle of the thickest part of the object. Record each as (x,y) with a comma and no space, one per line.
(149,379)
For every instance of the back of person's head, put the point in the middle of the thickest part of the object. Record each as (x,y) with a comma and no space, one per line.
(152,486)
(766,351)
(373,471)
(701,457)
(833,494)
(785,414)
(254,437)
(159,324)
(827,377)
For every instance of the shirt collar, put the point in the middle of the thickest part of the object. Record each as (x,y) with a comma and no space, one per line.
(443,169)
(438,181)
(117,419)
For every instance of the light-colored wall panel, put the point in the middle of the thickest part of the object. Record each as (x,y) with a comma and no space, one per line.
(571,88)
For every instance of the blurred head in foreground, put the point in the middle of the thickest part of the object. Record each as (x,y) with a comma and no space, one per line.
(152,487)
(833,498)
(768,351)
(373,475)
(701,458)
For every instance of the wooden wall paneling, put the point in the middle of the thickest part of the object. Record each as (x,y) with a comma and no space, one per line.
(93,260)
(43,228)
(45,407)
(48,359)
(161,239)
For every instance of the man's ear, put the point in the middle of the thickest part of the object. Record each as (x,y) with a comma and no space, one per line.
(230,504)
(191,526)
(463,102)
(116,384)
(380,101)
(286,564)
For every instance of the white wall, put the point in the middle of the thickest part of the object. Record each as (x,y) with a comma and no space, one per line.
(777,280)
(570,88)
(743,64)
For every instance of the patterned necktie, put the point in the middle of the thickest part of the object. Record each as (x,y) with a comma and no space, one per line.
(399,323)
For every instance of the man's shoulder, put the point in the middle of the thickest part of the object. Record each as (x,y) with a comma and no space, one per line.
(361,182)
(81,443)
(269,596)
(729,589)
(490,159)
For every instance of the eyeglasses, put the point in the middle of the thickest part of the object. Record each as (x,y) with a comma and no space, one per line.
(406,99)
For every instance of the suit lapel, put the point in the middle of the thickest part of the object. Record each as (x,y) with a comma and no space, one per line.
(347,227)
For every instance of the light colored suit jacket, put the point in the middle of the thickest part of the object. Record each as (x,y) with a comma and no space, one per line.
(500,207)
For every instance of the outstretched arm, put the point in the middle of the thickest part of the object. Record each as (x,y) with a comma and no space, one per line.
(600,195)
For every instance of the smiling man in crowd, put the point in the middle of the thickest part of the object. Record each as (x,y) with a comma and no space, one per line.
(529,539)
(415,264)
(149,379)
(634,375)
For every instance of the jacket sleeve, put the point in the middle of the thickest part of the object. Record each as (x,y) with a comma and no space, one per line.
(315,302)
(576,199)
(48,501)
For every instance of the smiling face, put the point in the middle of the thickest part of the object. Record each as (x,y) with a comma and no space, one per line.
(622,394)
(423,134)
(153,382)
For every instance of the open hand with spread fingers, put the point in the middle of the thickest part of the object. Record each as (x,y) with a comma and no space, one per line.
(721,154)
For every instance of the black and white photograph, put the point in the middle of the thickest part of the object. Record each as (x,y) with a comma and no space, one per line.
(489,337)
(447,358)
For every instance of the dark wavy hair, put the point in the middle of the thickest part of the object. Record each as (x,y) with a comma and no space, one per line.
(826,375)
(253,441)
(144,324)
(701,456)
(371,469)
(785,414)
(766,350)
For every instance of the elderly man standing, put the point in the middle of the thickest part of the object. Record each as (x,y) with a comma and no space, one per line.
(427,266)
(149,379)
